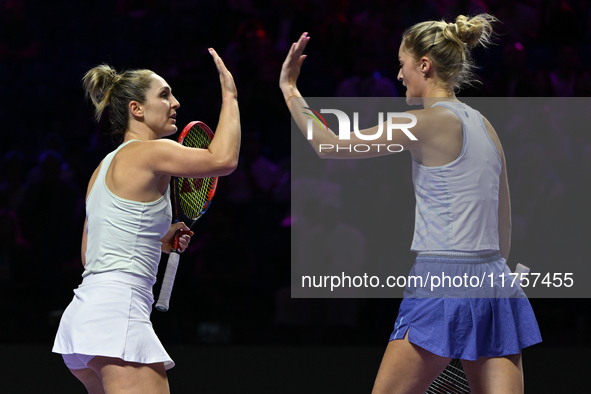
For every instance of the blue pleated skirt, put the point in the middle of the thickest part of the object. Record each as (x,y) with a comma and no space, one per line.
(489,317)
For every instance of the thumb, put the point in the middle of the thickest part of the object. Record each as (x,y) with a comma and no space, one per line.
(301,60)
(180,226)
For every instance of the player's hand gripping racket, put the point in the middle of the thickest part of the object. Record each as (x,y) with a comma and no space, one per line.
(191,199)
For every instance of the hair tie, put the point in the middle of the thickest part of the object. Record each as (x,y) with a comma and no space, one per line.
(456,25)
(435,36)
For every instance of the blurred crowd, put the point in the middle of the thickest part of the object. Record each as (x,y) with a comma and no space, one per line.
(232,280)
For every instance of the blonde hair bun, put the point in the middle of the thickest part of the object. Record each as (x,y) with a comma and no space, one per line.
(449,45)
(476,30)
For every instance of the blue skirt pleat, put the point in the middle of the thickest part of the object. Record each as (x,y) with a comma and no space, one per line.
(467,328)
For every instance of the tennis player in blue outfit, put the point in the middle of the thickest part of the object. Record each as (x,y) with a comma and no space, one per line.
(463,218)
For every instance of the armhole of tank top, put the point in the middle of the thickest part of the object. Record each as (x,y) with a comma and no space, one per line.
(464,139)
(101,169)
(480,117)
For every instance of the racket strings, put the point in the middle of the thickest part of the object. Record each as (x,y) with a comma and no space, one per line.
(197,138)
(451,381)
(195,193)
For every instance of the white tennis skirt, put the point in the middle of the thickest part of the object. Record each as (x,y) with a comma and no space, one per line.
(110,316)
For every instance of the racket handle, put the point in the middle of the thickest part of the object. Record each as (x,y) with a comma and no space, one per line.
(168,281)
(521,269)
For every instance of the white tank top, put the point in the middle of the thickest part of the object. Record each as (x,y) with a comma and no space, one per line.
(457,203)
(124,235)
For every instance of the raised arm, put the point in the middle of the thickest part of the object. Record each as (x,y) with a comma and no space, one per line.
(323,138)
(290,71)
(227,146)
(221,157)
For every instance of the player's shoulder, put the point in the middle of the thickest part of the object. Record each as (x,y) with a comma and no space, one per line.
(431,115)
(161,149)
(433,120)
(153,155)
(160,144)
(434,113)
(148,151)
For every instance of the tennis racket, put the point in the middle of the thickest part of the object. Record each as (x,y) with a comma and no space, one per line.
(191,198)
(453,379)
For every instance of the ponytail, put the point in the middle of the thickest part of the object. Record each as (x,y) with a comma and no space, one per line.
(108,88)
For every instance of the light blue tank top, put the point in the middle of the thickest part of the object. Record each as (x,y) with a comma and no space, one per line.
(457,203)
(124,235)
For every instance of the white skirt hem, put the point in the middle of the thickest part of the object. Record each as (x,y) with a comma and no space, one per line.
(110,316)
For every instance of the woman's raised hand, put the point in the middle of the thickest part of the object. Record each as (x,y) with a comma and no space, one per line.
(291,66)
(226,79)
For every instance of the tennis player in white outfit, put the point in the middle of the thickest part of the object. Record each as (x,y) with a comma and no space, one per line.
(105,335)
